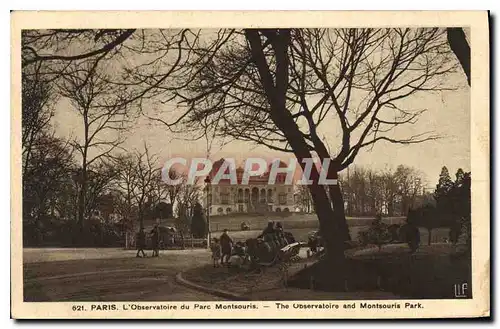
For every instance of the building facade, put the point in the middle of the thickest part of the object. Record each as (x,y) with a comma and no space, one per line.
(257,196)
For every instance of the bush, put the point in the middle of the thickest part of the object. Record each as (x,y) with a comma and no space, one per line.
(377,234)
(198,222)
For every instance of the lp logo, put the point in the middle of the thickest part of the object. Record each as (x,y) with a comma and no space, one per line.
(460,290)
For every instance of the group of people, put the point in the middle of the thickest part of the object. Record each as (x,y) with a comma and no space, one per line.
(155,241)
(226,252)
(274,233)
(224,247)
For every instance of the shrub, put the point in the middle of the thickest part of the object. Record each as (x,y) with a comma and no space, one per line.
(377,234)
(198,222)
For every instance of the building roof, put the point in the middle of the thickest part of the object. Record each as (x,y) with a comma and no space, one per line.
(253,180)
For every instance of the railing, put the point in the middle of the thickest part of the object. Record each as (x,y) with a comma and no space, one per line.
(192,243)
(177,241)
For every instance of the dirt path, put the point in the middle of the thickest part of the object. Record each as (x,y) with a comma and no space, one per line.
(108,275)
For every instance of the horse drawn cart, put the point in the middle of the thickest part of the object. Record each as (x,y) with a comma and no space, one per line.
(271,249)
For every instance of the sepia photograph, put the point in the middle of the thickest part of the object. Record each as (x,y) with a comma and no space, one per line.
(321,169)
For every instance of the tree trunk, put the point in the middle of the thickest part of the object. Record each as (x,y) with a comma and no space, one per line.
(80,236)
(390,208)
(338,206)
(141,219)
(334,266)
(429,237)
(459,46)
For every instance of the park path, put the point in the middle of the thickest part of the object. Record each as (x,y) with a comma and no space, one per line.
(109,275)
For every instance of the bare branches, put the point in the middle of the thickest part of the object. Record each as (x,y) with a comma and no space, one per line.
(99,106)
(139,181)
(54,39)
(351,78)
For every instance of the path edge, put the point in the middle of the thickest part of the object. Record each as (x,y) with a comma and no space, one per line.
(179,278)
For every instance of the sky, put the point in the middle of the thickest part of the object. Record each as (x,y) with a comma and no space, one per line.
(448,114)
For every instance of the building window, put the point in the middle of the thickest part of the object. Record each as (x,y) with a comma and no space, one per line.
(270,196)
(282,198)
(262,196)
(224,198)
(286,210)
(240,208)
(228,210)
(278,210)
(220,210)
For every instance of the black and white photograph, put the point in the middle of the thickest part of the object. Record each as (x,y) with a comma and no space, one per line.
(226,167)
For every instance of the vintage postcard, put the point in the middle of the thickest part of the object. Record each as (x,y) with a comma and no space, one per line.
(228,165)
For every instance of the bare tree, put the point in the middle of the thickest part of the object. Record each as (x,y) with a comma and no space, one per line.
(139,181)
(392,192)
(304,198)
(38,98)
(173,191)
(276,88)
(104,118)
(188,196)
(410,185)
(46,184)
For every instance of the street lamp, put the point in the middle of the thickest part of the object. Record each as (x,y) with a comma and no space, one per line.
(209,200)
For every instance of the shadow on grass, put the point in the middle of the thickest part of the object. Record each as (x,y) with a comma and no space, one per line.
(432,273)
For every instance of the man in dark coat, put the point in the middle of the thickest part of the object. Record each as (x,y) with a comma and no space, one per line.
(155,240)
(226,244)
(140,243)
(280,236)
(269,229)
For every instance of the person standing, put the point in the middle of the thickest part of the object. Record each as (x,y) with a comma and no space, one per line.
(216,251)
(226,246)
(140,243)
(412,236)
(269,229)
(155,240)
(280,236)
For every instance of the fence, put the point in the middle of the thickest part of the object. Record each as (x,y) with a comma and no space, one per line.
(180,241)
(172,241)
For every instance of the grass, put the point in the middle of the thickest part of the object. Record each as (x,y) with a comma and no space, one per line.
(292,221)
(299,224)
(430,273)
(301,234)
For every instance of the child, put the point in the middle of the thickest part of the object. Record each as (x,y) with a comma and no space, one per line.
(216,252)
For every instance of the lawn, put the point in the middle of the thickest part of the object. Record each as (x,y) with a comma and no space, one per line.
(290,221)
(301,234)
(431,273)
(300,225)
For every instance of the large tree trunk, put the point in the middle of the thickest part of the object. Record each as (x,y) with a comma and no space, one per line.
(429,238)
(338,206)
(334,270)
(459,46)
